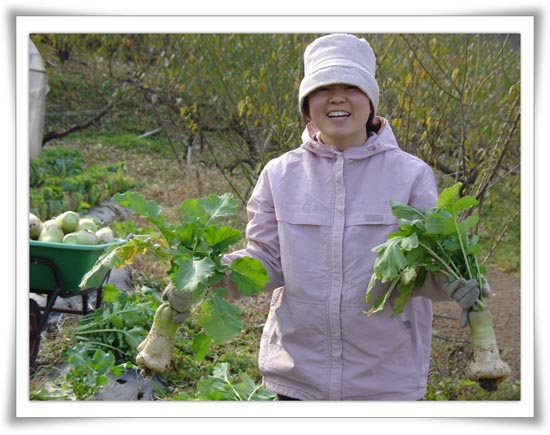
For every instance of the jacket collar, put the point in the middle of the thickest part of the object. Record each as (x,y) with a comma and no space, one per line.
(376,143)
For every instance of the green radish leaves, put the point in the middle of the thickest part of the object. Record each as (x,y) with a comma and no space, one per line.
(391,256)
(437,241)
(137,204)
(193,247)
(208,210)
(219,319)
(192,273)
(248,274)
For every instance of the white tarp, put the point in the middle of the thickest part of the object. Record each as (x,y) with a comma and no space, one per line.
(38,88)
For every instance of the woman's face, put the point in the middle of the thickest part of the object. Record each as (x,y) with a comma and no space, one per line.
(340,112)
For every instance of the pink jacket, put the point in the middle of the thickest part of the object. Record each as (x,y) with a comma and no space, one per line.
(314,216)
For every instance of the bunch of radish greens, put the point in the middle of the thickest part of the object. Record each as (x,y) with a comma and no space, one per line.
(193,248)
(439,241)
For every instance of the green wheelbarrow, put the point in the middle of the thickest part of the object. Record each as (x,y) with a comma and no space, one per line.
(56,270)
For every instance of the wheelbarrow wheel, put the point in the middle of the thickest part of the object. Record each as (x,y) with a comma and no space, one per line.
(35,317)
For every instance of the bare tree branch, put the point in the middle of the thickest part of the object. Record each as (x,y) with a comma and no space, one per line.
(59,134)
(484,185)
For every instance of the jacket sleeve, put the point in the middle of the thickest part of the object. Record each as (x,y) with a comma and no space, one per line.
(262,238)
(424,190)
(431,288)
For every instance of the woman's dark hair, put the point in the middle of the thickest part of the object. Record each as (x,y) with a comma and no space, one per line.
(372,127)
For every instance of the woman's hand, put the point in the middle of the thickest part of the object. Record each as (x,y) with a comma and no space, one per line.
(465,292)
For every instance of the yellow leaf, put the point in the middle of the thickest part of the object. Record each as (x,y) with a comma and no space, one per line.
(455,73)
(240,107)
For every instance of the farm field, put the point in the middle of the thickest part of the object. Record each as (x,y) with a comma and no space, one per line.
(180,133)
(161,181)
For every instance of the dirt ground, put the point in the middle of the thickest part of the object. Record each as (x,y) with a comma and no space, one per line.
(505,309)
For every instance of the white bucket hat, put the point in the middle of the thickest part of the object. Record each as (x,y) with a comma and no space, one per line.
(339,58)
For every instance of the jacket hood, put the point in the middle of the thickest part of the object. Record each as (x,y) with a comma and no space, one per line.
(382,141)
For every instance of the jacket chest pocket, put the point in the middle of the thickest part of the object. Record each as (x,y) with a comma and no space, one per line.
(304,238)
(303,228)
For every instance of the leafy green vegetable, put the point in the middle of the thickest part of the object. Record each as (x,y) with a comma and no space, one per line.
(138,204)
(221,385)
(437,241)
(247,273)
(120,324)
(194,248)
(59,181)
(219,319)
(192,273)
(85,375)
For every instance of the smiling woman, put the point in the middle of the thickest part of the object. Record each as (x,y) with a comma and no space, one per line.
(317,343)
